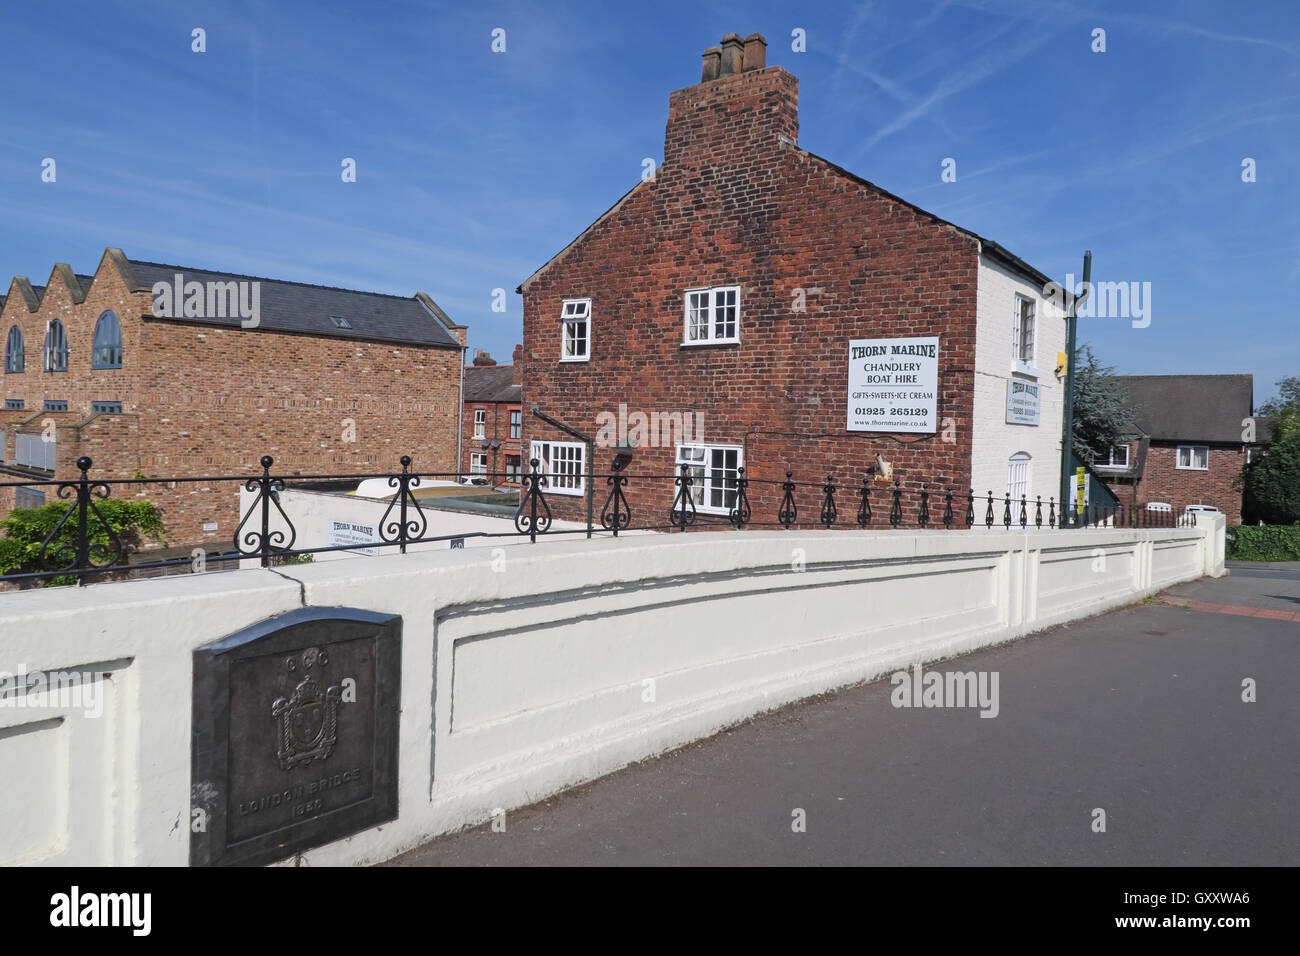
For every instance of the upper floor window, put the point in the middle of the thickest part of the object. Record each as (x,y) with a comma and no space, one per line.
(107,346)
(1022,335)
(106,408)
(480,420)
(516,422)
(1194,457)
(55,405)
(13,404)
(575,341)
(713,315)
(1118,456)
(56,347)
(14,359)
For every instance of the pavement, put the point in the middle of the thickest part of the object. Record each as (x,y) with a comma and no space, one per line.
(1138,712)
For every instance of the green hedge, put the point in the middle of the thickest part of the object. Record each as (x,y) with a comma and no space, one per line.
(1263,542)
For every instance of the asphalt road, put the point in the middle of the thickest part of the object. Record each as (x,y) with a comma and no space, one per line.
(1138,712)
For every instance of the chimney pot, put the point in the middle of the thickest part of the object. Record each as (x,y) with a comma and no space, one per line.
(733,54)
(712,62)
(755,54)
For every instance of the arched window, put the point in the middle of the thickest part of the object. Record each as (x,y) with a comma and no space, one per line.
(107,346)
(14,360)
(1018,475)
(56,347)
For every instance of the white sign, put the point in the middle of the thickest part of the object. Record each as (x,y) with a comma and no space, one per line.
(893,385)
(1022,402)
(345,532)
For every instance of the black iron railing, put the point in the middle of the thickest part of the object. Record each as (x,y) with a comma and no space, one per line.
(700,498)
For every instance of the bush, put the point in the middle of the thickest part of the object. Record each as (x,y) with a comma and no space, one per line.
(26,528)
(1263,543)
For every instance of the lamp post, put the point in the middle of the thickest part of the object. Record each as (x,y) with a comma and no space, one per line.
(1071,327)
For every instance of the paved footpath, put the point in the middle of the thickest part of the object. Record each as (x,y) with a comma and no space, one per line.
(1138,712)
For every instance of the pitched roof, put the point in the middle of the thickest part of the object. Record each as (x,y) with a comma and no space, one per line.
(299,307)
(1207,408)
(987,246)
(491,383)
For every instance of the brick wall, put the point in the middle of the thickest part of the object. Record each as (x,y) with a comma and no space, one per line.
(1163,481)
(736,203)
(201,400)
(496,426)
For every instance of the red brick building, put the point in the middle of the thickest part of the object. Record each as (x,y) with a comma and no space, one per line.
(724,292)
(1188,442)
(324,380)
(492,422)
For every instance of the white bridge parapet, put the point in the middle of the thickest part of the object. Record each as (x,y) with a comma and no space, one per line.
(528,669)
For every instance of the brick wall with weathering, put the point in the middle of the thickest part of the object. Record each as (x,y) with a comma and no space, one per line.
(200,400)
(737,203)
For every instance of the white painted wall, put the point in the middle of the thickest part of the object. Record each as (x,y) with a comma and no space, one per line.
(993,440)
(524,670)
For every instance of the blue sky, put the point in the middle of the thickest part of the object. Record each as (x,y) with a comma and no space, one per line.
(473,168)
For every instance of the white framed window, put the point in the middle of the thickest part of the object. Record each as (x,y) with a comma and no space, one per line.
(712,315)
(516,422)
(713,470)
(480,420)
(575,335)
(1117,456)
(1018,475)
(1022,336)
(562,464)
(1194,457)
(478,463)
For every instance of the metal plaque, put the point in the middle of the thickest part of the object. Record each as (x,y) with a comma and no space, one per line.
(294,734)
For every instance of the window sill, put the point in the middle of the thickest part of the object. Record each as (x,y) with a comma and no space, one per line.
(1190,468)
(1020,368)
(706,344)
(568,492)
(574,361)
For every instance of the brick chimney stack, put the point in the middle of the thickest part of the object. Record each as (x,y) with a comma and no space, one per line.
(516,374)
(482,358)
(742,112)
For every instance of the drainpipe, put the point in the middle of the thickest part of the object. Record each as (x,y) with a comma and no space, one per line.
(1071,327)
(591,458)
(460,410)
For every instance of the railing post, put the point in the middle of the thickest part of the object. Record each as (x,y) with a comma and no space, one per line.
(829,512)
(265,483)
(864,509)
(788,513)
(83,528)
(988,514)
(947,509)
(896,508)
(923,512)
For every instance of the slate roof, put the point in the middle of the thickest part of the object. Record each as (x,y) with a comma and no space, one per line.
(299,307)
(491,383)
(1207,408)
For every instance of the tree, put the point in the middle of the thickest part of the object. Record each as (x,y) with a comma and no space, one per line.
(26,528)
(1101,407)
(1287,401)
(1271,482)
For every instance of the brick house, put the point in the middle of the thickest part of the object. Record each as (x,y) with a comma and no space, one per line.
(324,380)
(725,291)
(492,421)
(1186,444)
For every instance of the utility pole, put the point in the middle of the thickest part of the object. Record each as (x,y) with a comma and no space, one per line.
(1071,328)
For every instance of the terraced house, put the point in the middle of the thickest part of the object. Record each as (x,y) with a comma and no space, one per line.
(212,373)
(800,317)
